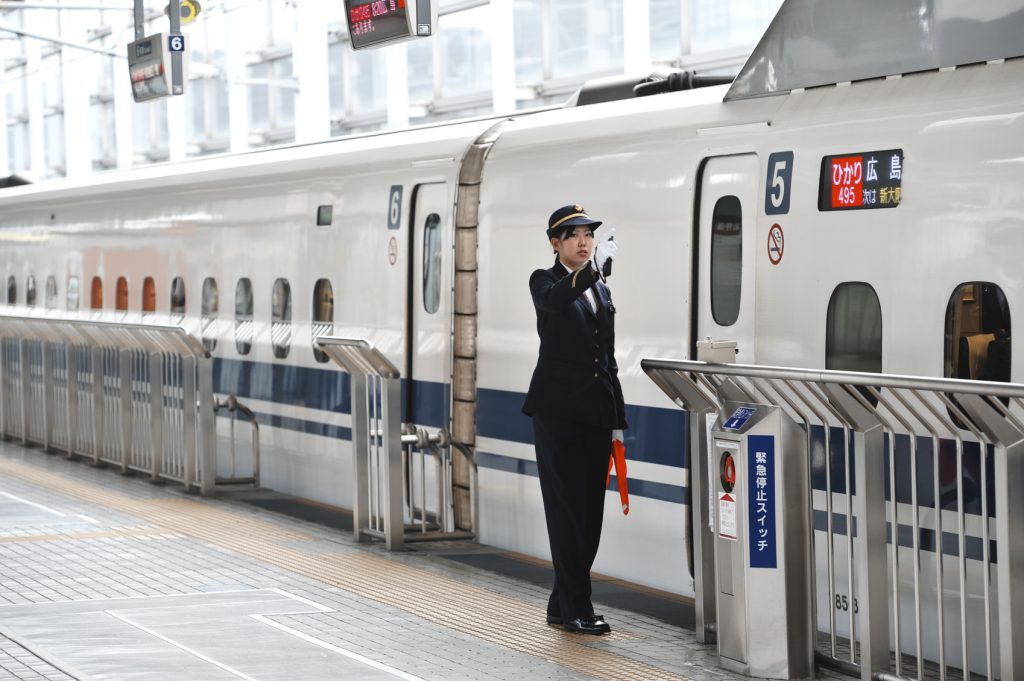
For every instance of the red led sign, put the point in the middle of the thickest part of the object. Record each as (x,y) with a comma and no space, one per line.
(872,179)
(375,22)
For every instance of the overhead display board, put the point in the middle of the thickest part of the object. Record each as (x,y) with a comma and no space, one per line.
(148,68)
(869,179)
(378,23)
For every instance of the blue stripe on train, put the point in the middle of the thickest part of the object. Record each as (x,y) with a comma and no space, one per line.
(642,488)
(926,537)
(656,435)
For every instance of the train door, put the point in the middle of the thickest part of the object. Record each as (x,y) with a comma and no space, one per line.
(428,313)
(724,296)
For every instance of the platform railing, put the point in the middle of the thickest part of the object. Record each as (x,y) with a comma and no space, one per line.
(397,496)
(934,507)
(137,396)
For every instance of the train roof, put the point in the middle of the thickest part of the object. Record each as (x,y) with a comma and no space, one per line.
(823,42)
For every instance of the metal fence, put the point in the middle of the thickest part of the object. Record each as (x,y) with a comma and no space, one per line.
(402,474)
(917,497)
(138,396)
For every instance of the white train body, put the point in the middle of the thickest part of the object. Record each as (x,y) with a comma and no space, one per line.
(653,168)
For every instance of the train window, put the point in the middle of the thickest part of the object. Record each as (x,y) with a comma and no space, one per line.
(977,343)
(432,263)
(73,293)
(148,296)
(281,318)
(726,260)
(210,311)
(12,290)
(177,299)
(30,291)
(323,314)
(96,294)
(51,293)
(121,295)
(243,317)
(853,335)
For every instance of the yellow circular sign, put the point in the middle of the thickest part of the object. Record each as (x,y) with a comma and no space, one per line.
(189,10)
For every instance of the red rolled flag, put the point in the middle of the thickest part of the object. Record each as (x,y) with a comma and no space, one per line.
(618,460)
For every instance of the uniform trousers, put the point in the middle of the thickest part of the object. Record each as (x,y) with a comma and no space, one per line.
(572,463)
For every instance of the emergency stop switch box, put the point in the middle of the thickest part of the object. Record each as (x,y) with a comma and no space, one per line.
(761,511)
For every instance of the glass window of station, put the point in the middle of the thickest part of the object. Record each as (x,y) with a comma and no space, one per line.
(554,47)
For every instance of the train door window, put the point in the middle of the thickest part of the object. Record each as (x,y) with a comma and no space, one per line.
(177,299)
(243,317)
(121,295)
(977,343)
(51,293)
(30,291)
(281,318)
(432,263)
(148,296)
(96,294)
(853,335)
(210,311)
(323,314)
(12,290)
(73,293)
(726,260)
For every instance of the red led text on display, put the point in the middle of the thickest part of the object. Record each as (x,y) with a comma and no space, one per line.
(871,179)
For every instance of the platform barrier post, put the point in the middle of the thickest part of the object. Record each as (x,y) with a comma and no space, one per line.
(26,387)
(48,399)
(71,355)
(99,404)
(156,416)
(391,427)
(703,547)
(207,435)
(360,463)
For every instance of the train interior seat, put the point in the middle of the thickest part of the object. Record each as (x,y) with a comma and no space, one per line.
(973,354)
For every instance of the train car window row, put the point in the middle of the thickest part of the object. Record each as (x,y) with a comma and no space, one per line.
(209,313)
(148,297)
(432,263)
(323,315)
(726,260)
(73,293)
(853,329)
(977,338)
(177,306)
(51,292)
(243,316)
(281,318)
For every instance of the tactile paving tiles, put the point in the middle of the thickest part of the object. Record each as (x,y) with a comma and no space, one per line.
(489,616)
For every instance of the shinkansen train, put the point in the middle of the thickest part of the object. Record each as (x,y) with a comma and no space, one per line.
(854,199)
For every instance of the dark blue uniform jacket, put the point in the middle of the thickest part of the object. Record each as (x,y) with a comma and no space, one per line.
(576,376)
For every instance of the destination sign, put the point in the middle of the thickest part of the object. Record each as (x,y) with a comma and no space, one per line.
(382,22)
(872,179)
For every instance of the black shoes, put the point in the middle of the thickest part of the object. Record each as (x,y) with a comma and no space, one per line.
(590,624)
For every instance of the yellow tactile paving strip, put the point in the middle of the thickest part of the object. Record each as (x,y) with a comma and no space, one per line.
(97,534)
(474,611)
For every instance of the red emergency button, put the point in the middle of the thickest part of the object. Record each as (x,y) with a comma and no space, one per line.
(728,472)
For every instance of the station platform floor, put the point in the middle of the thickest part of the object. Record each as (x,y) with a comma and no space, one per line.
(110,577)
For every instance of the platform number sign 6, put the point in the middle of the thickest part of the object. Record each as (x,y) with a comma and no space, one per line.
(778,185)
(395,207)
(176,42)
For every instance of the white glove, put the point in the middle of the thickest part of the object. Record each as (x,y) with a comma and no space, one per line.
(605,250)
(617,435)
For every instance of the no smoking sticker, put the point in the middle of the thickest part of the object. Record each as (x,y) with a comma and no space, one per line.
(776,244)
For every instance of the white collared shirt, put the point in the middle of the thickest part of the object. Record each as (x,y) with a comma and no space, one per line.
(589,293)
